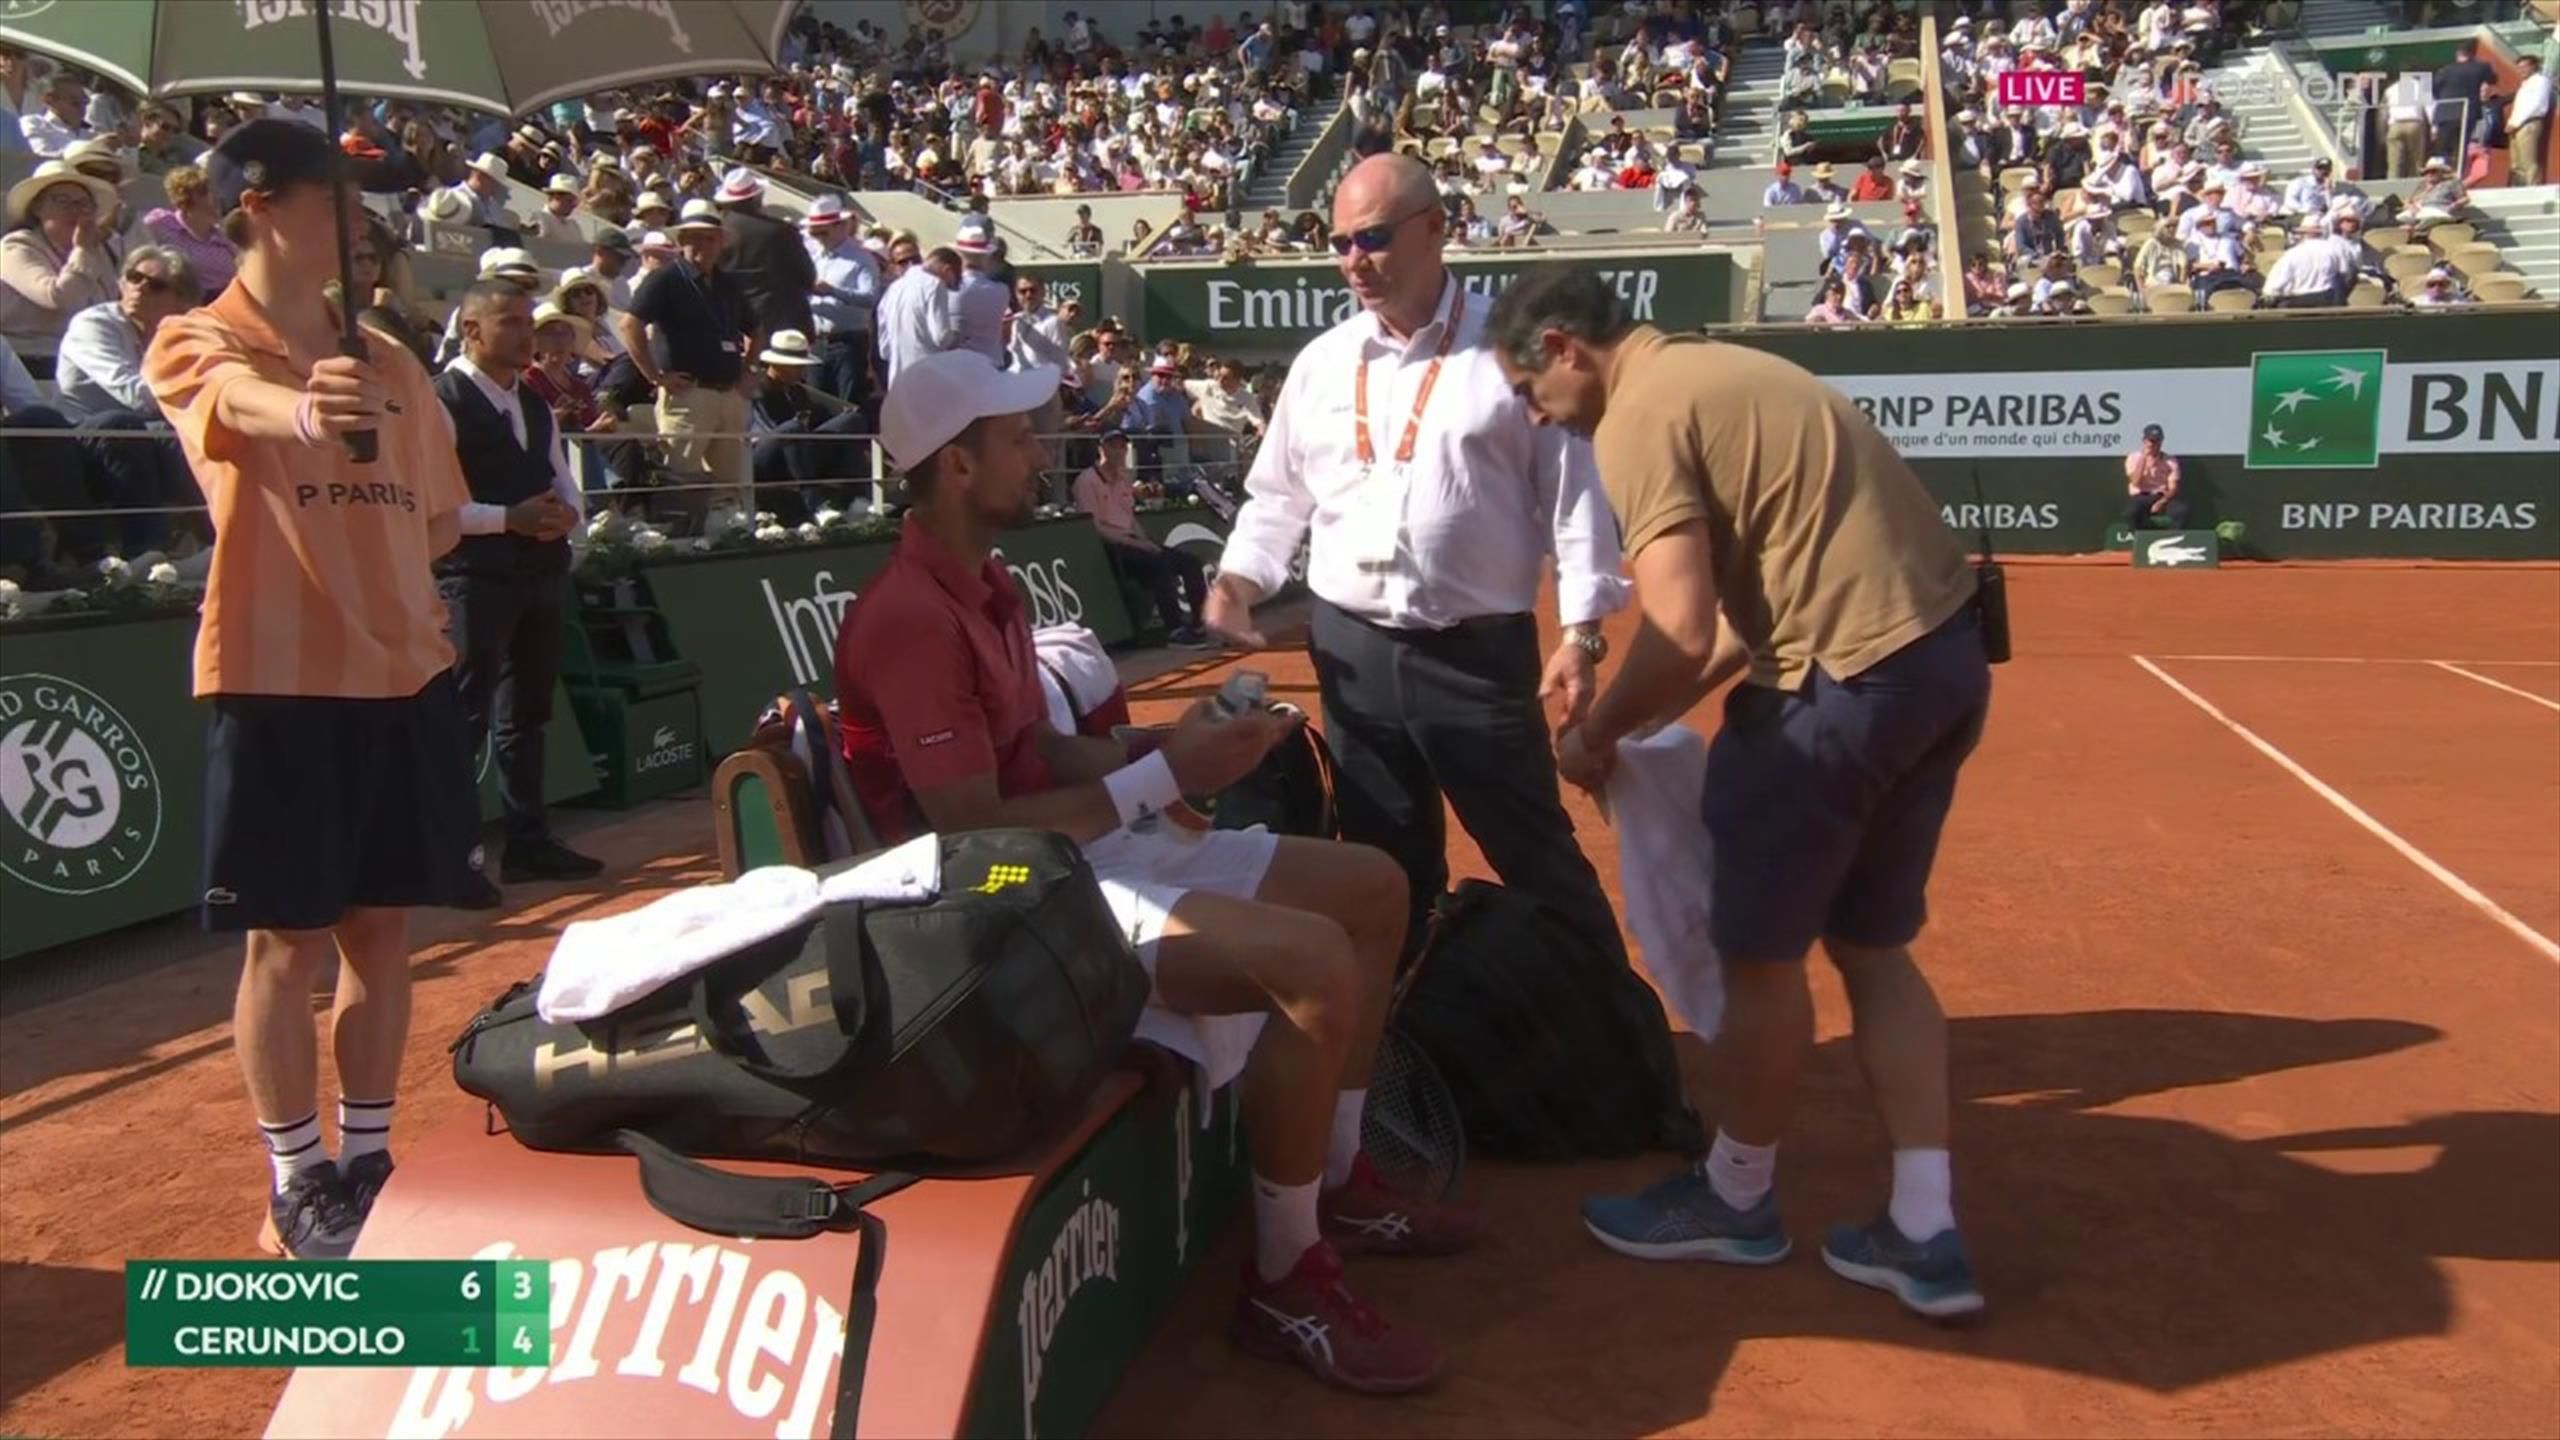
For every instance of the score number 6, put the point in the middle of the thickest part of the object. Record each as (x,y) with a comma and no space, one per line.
(523,1279)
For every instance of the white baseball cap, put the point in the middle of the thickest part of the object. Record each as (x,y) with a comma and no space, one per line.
(937,397)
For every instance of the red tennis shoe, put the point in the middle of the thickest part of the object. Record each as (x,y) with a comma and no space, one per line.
(1309,1317)
(1365,1217)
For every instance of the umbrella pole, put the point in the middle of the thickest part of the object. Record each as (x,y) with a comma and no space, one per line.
(362,445)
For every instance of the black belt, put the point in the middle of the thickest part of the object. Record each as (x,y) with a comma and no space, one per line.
(1472,625)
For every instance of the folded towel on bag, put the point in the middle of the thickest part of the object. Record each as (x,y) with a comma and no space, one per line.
(600,966)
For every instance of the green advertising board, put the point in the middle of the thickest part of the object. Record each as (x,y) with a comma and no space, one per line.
(1067,280)
(1268,309)
(102,775)
(1203,532)
(760,621)
(2366,434)
(1098,1260)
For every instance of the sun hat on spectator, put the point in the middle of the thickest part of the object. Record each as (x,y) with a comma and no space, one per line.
(2441,275)
(1164,366)
(1839,211)
(250,98)
(52,173)
(699,215)
(656,242)
(93,154)
(1823,171)
(651,200)
(490,165)
(2253,170)
(739,186)
(550,313)
(445,207)
(975,238)
(507,262)
(561,185)
(531,134)
(1914,169)
(825,210)
(937,397)
(2436,163)
(788,347)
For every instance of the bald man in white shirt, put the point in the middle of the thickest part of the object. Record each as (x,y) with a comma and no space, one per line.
(1427,529)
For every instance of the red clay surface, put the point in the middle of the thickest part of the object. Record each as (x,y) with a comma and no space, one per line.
(2258,1126)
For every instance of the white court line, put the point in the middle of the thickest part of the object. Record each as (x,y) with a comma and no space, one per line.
(2550,949)
(2355,660)
(2546,704)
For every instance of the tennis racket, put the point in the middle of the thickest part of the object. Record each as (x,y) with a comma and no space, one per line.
(1411,1127)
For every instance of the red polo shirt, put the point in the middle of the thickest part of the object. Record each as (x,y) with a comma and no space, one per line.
(936,681)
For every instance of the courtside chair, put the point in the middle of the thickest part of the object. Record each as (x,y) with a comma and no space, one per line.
(2452,235)
(2505,287)
(2408,264)
(2475,259)
(2111,302)
(2104,275)
(2231,300)
(2367,294)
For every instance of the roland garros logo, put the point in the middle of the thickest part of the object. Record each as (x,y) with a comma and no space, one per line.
(78,786)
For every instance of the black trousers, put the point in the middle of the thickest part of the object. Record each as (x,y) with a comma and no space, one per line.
(844,365)
(2137,510)
(1170,575)
(507,645)
(1415,715)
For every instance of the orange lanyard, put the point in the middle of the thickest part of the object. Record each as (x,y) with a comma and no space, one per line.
(1421,398)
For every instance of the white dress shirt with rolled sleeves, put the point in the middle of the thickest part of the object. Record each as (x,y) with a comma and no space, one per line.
(854,274)
(1459,534)
(481,518)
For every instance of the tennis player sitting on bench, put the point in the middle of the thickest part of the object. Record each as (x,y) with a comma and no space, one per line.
(945,729)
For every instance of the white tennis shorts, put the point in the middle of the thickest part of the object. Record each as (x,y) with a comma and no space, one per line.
(1144,875)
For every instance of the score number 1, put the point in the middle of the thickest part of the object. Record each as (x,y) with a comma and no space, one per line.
(518,1294)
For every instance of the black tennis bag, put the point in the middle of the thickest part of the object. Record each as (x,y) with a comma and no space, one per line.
(1553,1047)
(955,1033)
(1291,791)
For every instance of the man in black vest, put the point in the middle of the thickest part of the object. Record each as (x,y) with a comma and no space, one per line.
(506,582)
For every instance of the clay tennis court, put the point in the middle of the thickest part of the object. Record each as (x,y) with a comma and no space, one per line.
(2257,1053)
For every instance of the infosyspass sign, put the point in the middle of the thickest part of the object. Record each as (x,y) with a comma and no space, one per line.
(2285,410)
(1273,309)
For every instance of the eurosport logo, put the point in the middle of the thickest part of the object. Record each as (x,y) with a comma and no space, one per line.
(78,786)
(2319,88)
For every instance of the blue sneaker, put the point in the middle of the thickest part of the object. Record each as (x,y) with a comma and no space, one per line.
(1681,1218)
(1931,1276)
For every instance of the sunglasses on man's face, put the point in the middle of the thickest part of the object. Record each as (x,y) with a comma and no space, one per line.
(1374,238)
(151,284)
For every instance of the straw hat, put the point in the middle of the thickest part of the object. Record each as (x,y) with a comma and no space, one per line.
(562,185)
(549,312)
(490,165)
(788,347)
(96,151)
(45,177)
(699,215)
(445,207)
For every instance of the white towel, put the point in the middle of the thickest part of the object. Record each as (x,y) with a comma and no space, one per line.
(600,966)
(1663,869)
(1076,674)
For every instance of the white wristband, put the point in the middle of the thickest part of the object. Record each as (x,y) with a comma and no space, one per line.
(1143,788)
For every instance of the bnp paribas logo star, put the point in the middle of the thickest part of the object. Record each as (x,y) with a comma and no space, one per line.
(2315,409)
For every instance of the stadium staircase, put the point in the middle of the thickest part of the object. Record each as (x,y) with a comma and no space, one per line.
(2333,19)
(1270,187)
(1747,136)
(2525,226)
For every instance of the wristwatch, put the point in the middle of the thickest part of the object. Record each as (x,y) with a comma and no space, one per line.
(1588,640)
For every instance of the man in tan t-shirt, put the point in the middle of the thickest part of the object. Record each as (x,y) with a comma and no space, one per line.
(1747,488)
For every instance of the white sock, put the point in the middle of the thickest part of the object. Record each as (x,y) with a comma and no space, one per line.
(294,1146)
(1344,1146)
(364,1126)
(1923,1193)
(1741,1174)
(1284,1226)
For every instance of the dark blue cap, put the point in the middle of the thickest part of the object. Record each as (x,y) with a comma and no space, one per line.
(1114,433)
(268,154)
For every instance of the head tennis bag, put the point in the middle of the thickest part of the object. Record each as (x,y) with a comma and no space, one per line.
(956,1032)
(1553,1047)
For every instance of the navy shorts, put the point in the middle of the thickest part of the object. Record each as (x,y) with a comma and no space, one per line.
(1824,806)
(316,806)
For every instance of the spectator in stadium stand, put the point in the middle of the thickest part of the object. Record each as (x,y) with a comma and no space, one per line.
(1086,237)
(610,261)
(163,144)
(1519,227)
(1830,305)
(783,409)
(1903,139)
(2038,232)
(2528,122)
(2216,259)
(1172,577)
(1159,418)
(916,316)
(2313,273)
(337,789)
(2442,288)
(98,378)
(979,303)
(63,122)
(2463,91)
(1824,190)
(1784,190)
(557,221)
(1872,184)
(764,255)
(2151,485)
(1839,225)
(708,327)
(2309,192)
(1035,333)
(188,226)
(2439,197)
(1796,143)
(2012,142)
(1688,218)
(481,197)
(55,260)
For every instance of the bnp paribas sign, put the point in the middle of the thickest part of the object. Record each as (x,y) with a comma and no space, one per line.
(2284,410)
(1272,309)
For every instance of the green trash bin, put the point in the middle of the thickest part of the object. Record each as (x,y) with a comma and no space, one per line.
(643,728)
